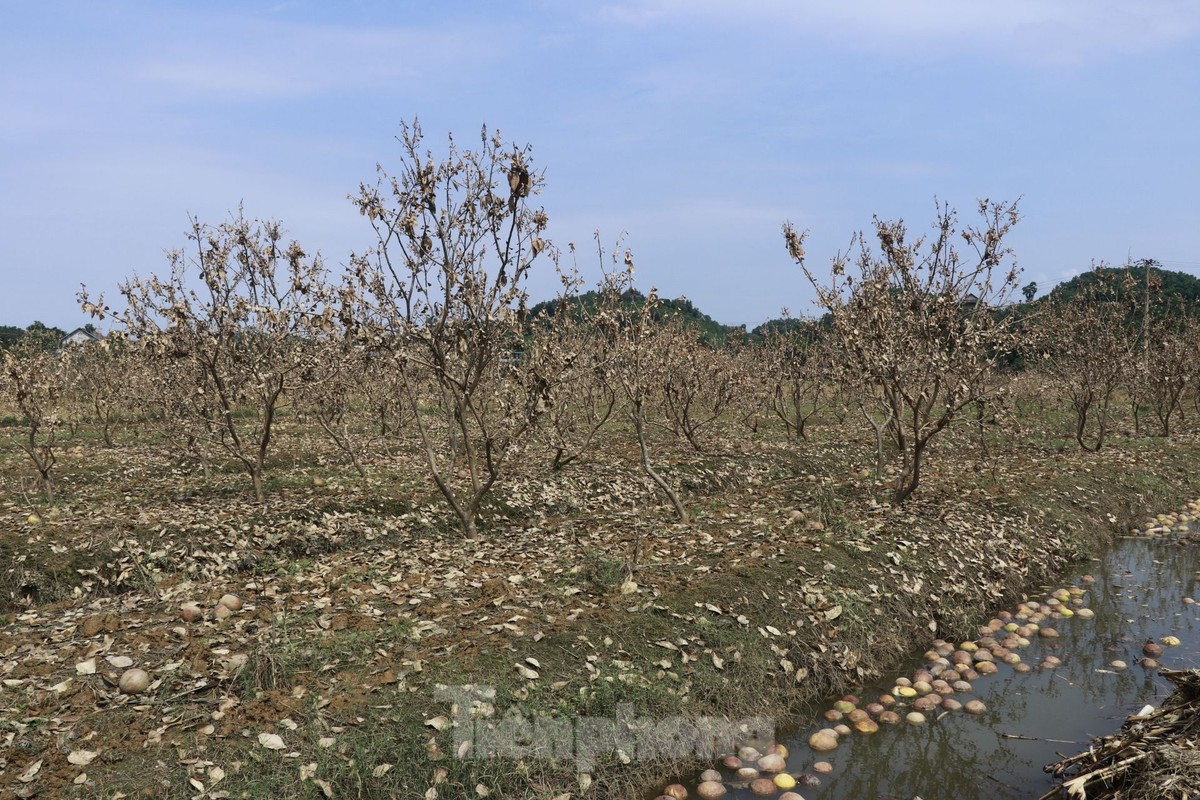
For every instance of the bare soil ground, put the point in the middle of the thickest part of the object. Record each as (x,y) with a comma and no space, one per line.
(796,579)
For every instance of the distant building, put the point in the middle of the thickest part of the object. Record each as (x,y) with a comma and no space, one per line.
(80,336)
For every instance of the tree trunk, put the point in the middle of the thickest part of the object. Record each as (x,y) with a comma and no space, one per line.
(639,427)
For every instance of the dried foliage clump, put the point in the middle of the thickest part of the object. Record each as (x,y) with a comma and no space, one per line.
(1153,757)
(443,295)
(914,323)
(224,358)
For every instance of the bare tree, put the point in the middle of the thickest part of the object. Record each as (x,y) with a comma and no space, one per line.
(799,374)
(101,375)
(229,353)
(443,291)
(34,382)
(637,373)
(575,348)
(1088,345)
(700,383)
(918,322)
(1166,368)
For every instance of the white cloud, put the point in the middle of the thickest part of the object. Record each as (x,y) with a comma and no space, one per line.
(275,59)
(1044,31)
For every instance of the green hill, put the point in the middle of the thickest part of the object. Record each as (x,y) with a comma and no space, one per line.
(1170,291)
(711,332)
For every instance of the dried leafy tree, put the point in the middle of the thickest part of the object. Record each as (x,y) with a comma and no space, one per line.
(700,384)
(329,394)
(915,320)
(797,368)
(638,368)
(443,293)
(1088,345)
(34,382)
(1166,367)
(574,347)
(102,374)
(226,335)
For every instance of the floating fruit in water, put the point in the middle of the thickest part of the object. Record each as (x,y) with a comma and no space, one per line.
(748,754)
(747,773)
(823,741)
(710,790)
(1022,667)
(763,787)
(823,768)
(1119,665)
(790,796)
(1170,641)
(843,706)
(710,775)
(841,729)
(950,704)
(974,707)
(676,790)
(784,781)
(1151,649)
(1149,663)
(772,763)
(1085,613)
(904,691)
(889,718)
(914,718)
(731,762)
(927,703)
(1048,633)
(867,726)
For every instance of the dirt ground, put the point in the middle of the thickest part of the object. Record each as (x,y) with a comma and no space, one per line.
(349,603)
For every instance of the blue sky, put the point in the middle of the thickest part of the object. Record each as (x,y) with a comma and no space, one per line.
(695,127)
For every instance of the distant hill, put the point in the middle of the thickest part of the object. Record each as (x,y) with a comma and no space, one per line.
(711,332)
(1170,291)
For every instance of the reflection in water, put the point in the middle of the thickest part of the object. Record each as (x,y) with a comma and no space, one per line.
(1035,718)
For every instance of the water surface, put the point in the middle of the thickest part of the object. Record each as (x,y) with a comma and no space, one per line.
(1032,719)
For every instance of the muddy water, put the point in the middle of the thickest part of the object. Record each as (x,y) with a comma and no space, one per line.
(1031,718)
